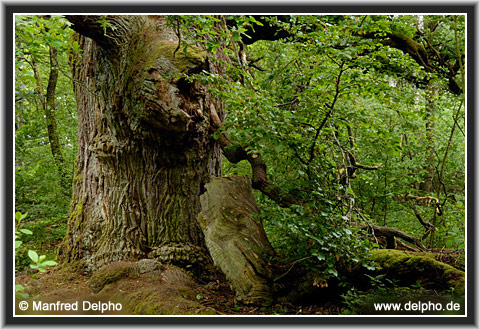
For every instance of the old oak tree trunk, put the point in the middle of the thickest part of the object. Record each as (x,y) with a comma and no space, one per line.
(146,155)
(145,151)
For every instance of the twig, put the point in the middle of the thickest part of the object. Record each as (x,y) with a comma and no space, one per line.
(293,264)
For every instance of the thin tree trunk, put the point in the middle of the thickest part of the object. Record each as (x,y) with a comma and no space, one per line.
(48,105)
(432,93)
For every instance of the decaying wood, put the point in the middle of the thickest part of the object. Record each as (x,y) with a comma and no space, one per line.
(391,232)
(236,241)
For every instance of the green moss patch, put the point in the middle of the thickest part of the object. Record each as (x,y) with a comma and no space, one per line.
(112,273)
(409,268)
(167,301)
(183,61)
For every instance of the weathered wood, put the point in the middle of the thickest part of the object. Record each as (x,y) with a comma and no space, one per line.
(236,241)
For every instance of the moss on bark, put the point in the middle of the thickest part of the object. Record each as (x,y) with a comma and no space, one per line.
(409,267)
(145,148)
(183,61)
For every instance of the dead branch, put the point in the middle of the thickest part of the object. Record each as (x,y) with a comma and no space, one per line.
(383,231)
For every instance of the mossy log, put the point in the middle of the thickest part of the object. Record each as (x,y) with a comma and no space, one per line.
(407,268)
(237,243)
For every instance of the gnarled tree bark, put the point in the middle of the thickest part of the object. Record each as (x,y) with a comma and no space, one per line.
(145,151)
(237,242)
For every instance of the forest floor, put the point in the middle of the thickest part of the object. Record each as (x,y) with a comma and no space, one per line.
(147,287)
(154,293)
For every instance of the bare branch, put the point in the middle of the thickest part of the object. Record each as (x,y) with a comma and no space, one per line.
(391,232)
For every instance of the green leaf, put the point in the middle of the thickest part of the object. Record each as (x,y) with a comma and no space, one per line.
(236,36)
(33,256)
(49,263)
(18,244)
(41,269)
(26,231)
(19,216)
(332,271)
(351,192)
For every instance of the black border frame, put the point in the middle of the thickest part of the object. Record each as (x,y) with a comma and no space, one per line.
(469,8)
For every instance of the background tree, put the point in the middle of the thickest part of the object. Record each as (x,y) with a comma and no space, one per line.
(45,129)
(29,51)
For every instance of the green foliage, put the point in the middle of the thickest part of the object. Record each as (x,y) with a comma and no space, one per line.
(361,302)
(328,92)
(20,292)
(39,262)
(323,242)
(105,23)
(37,188)
(36,262)
(20,233)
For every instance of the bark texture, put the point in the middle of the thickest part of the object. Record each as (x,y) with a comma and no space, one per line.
(145,152)
(237,243)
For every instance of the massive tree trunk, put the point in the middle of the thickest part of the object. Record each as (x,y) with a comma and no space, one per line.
(145,151)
